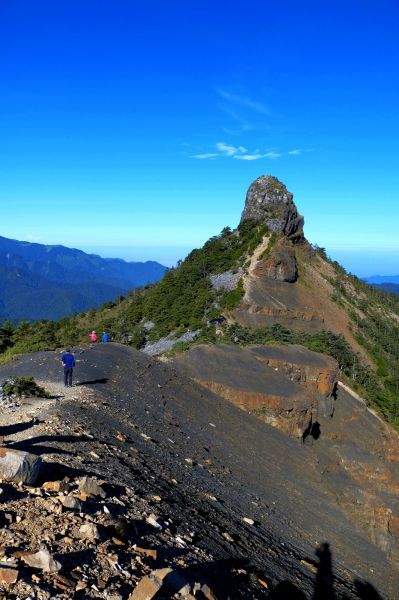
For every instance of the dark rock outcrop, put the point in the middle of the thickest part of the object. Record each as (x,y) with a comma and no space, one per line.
(288,387)
(269,200)
(317,373)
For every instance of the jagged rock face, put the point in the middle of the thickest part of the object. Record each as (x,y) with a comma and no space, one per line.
(280,265)
(317,373)
(269,200)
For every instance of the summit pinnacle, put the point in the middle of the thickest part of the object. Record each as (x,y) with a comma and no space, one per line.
(269,200)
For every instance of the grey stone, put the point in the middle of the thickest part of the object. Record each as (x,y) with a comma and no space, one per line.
(42,560)
(165,344)
(71,502)
(225,281)
(19,466)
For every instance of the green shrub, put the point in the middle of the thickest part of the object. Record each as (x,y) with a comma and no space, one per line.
(24,386)
(233,298)
(180,347)
(137,338)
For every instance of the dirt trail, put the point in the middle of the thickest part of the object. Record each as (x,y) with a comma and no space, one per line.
(253,262)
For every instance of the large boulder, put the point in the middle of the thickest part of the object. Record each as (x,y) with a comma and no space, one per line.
(19,466)
(268,200)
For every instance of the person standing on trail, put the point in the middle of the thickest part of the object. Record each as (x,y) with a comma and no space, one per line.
(93,337)
(68,360)
(104,337)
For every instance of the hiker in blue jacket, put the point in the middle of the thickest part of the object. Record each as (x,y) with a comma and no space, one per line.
(104,337)
(68,360)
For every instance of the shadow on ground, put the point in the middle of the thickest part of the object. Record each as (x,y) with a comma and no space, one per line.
(93,381)
(324,588)
(7,430)
(34,446)
(221,577)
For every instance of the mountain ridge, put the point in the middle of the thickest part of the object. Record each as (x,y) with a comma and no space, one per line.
(50,282)
(302,356)
(293,294)
(378,279)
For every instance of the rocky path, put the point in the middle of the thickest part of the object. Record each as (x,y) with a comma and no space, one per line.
(180,492)
(131,533)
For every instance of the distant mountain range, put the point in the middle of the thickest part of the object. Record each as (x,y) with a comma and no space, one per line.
(50,282)
(390,283)
(389,287)
(377,279)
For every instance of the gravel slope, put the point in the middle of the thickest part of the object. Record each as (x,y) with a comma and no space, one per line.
(212,464)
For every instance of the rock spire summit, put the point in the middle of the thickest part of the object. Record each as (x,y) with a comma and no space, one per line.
(269,200)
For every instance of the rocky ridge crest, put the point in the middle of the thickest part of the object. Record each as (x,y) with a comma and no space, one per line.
(268,200)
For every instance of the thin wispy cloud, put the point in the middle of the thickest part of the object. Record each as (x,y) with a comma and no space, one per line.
(249,156)
(257,156)
(205,155)
(229,150)
(244,101)
(300,151)
(272,154)
(239,153)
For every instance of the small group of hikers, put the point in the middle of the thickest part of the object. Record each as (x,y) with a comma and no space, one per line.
(104,338)
(68,359)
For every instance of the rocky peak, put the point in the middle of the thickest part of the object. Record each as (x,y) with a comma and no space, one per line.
(269,200)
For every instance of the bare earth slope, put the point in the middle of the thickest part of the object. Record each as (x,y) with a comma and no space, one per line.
(177,431)
(354,451)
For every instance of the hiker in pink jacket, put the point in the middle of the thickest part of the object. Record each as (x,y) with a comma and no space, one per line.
(93,336)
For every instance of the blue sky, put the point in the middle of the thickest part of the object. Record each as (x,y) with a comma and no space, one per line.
(134,129)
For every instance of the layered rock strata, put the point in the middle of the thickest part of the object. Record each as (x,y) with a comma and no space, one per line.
(317,373)
(278,388)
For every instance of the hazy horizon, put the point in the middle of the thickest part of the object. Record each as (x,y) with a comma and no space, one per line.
(380,262)
(352,260)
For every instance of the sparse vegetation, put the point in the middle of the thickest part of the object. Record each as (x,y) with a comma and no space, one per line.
(272,242)
(183,299)
(233,298)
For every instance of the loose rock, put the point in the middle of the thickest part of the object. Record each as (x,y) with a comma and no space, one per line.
(8,576)
(89,531)
(89,486)
(42,560)
(71,502)
(19,466)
